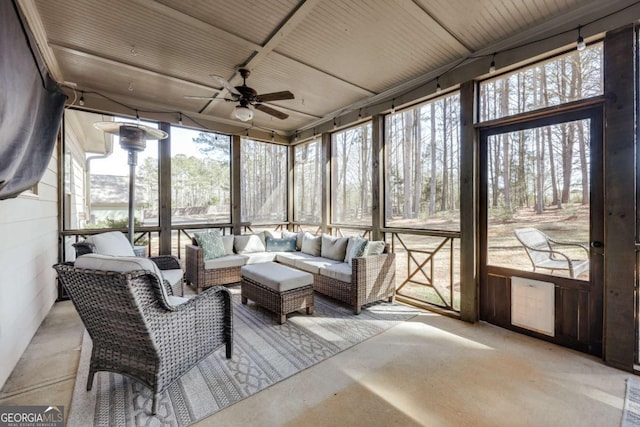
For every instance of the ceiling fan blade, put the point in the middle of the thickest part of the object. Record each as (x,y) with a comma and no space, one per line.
(225,84)
(274,96)
(275,113)
(208,98)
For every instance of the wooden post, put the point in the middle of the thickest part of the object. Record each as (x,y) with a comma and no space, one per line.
(236,191)
(164,190)
(326,182)
(468,205)
(291,158)
(619,218)
(377,177)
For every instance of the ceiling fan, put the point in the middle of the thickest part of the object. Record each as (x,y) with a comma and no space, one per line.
(248,98)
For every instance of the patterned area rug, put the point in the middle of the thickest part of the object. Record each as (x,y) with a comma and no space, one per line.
(631,413)
(264,353)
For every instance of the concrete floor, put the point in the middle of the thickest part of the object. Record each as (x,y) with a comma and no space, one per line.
(432,370)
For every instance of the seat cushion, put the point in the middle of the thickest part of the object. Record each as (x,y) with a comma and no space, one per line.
(290,258)
(313,265)
(113,243)
(258,257)
(277,277)
(226,261)
(174,300)
(120,264)
(173,276)
(340,272)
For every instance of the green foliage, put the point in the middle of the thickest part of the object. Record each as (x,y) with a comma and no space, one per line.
(112,223)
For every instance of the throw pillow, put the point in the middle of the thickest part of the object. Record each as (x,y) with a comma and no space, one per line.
(298,236)
(228,244)
(112,243)
(333,247)
(311,244)
(211,243)
(374,248)
(249,243)
(272,234)
(281,245)
(355,249)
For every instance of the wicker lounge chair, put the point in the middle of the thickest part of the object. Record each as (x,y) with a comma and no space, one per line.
(543,252)
(138,327)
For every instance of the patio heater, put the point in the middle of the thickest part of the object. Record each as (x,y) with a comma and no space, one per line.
(133,138)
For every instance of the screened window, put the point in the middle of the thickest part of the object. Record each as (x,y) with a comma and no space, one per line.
(200,177)
(576,75)
(263,182)
(308,182)
(351,176)
(423,166)
(97,176)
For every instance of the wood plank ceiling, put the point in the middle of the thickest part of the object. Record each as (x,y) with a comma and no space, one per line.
(334,55)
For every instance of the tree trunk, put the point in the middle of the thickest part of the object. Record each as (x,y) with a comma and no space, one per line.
(445,160)
(432,141)
(417,164)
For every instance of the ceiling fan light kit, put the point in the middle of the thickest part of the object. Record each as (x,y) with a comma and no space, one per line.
(243,113)
(248,98)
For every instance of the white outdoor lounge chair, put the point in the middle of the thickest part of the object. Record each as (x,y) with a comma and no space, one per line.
(543,252)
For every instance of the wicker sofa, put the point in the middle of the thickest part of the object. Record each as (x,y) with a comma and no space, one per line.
(368,279)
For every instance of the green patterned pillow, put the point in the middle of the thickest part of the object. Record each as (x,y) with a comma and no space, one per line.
(211,243)
(355,249)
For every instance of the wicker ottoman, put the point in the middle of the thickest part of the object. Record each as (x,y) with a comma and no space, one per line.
(277,288)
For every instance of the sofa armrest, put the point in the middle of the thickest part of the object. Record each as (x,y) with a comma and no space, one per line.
(166,262)
(83,248)
(374,277)
(194,263)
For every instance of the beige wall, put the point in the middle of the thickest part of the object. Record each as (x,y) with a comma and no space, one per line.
(28,249)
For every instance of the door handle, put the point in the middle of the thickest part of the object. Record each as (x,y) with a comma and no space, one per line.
(596,244)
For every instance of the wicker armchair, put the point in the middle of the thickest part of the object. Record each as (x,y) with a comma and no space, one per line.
(138,328)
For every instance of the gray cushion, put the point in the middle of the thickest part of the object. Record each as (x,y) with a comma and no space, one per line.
(280,245)
(258,257)
(313,265)
(112,243)
(119,264)
(174,300)
(173,276)
(355,248)
(226,261)
(249,243)
(340,272)
(333,247)
(277,277)
(290,258)
(374,248)
(311,244)
(211,244)
(228,244)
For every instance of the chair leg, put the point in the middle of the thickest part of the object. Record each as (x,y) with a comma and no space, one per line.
(92,374)
(229,349)
(154,405)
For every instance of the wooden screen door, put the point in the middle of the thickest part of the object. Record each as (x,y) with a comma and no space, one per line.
(541,178)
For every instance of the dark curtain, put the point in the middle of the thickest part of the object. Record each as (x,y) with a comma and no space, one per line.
(31,107)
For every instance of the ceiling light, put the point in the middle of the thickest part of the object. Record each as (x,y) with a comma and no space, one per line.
(492,67)
(580,44)
(180,119)
(130,88)
(438,87)
(243,113)
(81,101)
(393,106)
